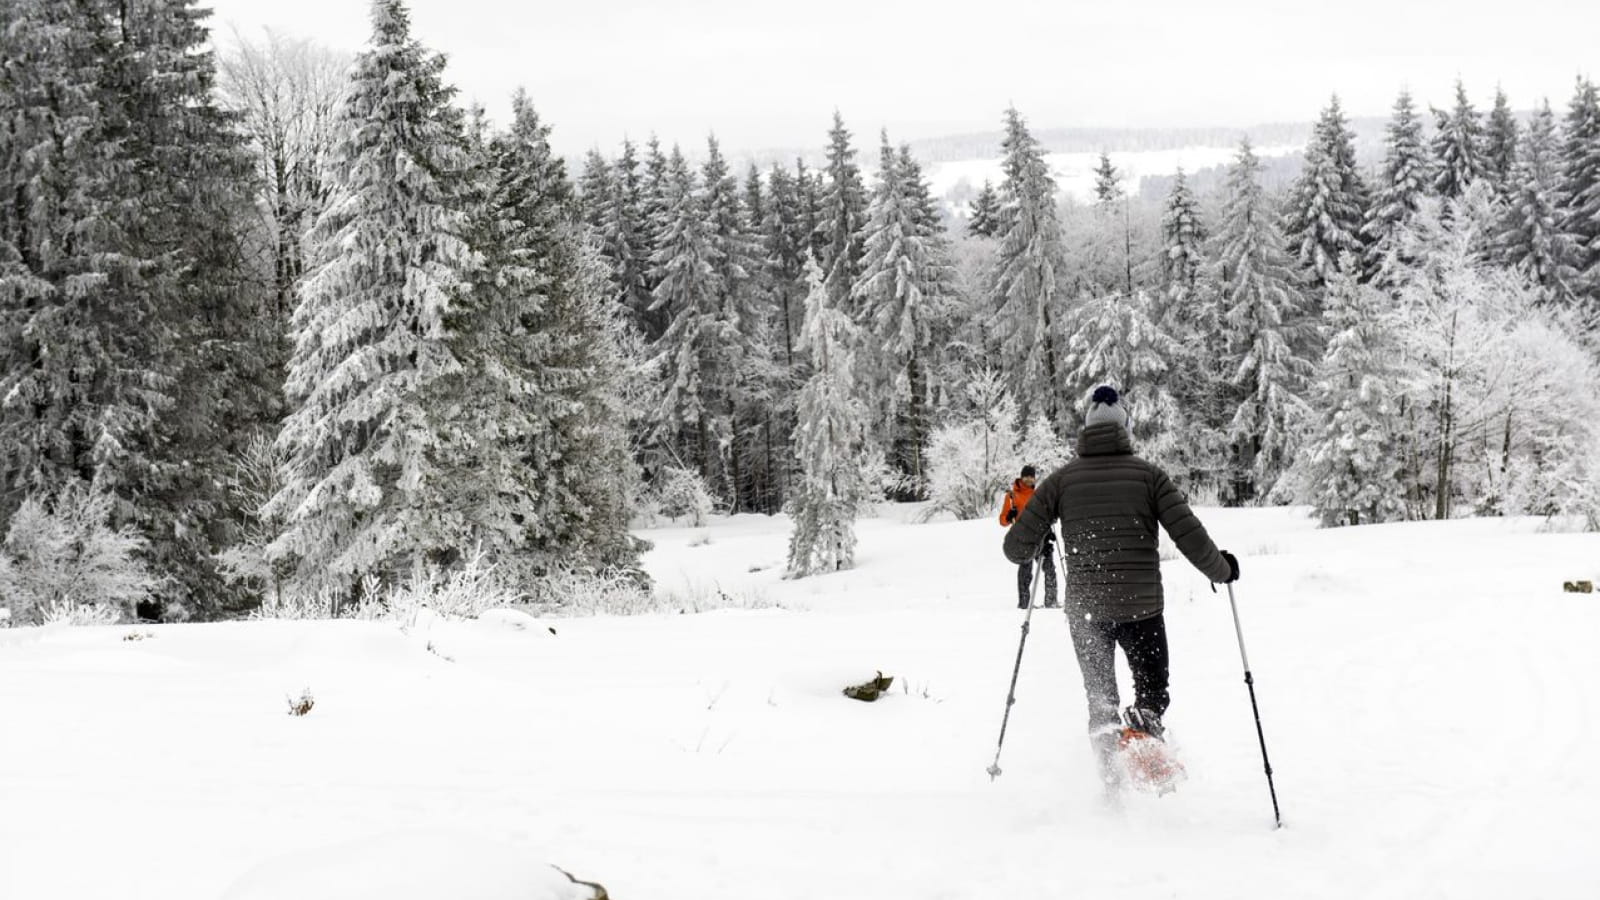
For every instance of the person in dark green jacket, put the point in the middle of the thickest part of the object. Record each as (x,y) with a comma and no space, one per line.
(1109,503)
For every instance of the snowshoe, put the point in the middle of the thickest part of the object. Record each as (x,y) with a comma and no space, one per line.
(1150,763)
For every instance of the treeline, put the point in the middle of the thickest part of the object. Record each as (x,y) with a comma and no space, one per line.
(1233,321)
(296,326)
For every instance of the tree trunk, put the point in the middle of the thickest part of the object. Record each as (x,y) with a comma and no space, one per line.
(917,415)
(1447,448)
(735,483)
(1052,401)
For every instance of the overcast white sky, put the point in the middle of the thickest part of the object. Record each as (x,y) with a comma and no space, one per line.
(765,75)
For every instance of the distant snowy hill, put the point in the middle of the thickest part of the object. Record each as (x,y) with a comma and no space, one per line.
(959,181)
(958,165)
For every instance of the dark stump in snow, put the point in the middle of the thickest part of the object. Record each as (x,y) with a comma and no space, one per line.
(869,691)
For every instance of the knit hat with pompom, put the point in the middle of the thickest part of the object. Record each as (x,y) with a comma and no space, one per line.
(1106,406)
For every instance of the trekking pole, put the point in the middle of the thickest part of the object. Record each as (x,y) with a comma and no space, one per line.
(1250,682)
(1011,694)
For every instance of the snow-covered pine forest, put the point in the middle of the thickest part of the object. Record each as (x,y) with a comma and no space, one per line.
(283,331)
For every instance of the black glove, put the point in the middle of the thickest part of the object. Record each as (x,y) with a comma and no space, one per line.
(1047,545)
(1233,566)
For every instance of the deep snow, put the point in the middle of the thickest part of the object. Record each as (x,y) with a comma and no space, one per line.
(1427,692)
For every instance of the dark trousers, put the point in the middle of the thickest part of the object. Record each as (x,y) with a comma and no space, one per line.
(1025,579)
(1144,643)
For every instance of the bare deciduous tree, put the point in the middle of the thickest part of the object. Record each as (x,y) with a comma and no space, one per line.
(286,91)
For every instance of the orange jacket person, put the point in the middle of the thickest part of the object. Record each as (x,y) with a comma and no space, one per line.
(1016,501)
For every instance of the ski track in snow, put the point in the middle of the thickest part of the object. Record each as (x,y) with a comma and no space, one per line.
(1426,693)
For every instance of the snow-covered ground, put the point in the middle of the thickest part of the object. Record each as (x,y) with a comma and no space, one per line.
(1428,694)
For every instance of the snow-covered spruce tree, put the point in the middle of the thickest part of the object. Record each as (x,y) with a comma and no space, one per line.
(62,551)
(830,442)
(1189,313)
(1457,147)
(811,186)
(367,492)
(733,253)
(1263,310)
(538,483)
(1025,288)
(928,222)
(904,275)
(1329,200)
(133,349)
(66,367)
(623,238)
(763,436)
(1349,468)
(1183,237)
(1107,182)
(925,211)
(1108,190)
(787,246)
(590,374)
(786,243)
(888,219)
(596,190)
(1531,237)
(1406,177)
(952,303)
(1500,145)
(690,412)
(843,202)
(655,212)
(754,210)
(1580,164)
(1122,341)
(984,218)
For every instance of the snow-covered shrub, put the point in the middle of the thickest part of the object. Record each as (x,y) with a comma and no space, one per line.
(67,612)
(587,592)
(295,605)
(63,556)
(646,510)
(619,592)
(1040,447)
(256,476)
(682,494)
(459,592)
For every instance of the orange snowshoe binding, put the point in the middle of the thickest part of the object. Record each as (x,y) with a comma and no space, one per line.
(1150,762)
